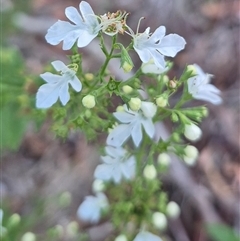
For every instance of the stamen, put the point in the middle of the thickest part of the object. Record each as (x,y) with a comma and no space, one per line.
(139,21)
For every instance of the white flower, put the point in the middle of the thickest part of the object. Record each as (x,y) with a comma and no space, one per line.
(57,86)
(132,122)
(91,208)
(84,29)
(146,236)
(192,132)
(200,89)
(155,46)
(117,165)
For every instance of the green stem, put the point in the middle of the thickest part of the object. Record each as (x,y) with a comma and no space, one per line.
(108,57)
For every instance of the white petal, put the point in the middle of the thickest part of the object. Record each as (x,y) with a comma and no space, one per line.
(119,135)
(76,84)
(47,95)
(158,58)
(103,172)
(158,34)
(88,14)
(149,109)
(51,78)
(115,152)
(146,236)
(171,45)
(143,54)
(71,38)
(149,127)
(89,211)
(124,117)
(73,15)
(59,65)
(136,133)
(85,38)
(128,168)
(64,94)
(58,31)
(208,96)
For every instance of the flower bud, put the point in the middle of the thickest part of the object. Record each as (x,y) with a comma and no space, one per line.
(159,220)
(161,101)
(72,229)
(192,68)
(88,114)
(29,237)
(174,117)
(172,84)
(14,220)
(98,185)
(173,210)
(150,172)
(165,79)
(89,101)
(164,159)
(204,111)
(89,76)
(192,132)
(126,61)
(127,89)
(135,104)
(59,231)
(191,154)
(121,237)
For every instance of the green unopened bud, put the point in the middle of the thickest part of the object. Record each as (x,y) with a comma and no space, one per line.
(126,61)
(191,155)
(14,220)
(72,229)
(159,220)
(150,172)
(174,117)
(65,199)
(88,114)
(135,104)
(89,76)
(161,101)
(192,68)
(164,159)
(89,101)
(165,79)
(137,83)
(127,89)
(192,132)
(29,236)
(176,137)
(173,210)
(121,237)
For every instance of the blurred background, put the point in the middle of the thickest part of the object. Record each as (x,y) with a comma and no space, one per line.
(44,179)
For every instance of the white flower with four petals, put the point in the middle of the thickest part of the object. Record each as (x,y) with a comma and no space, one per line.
(132,122)
(118,164)
(200,89)
(57,86)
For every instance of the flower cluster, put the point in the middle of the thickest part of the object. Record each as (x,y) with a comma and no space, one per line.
(136,120)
